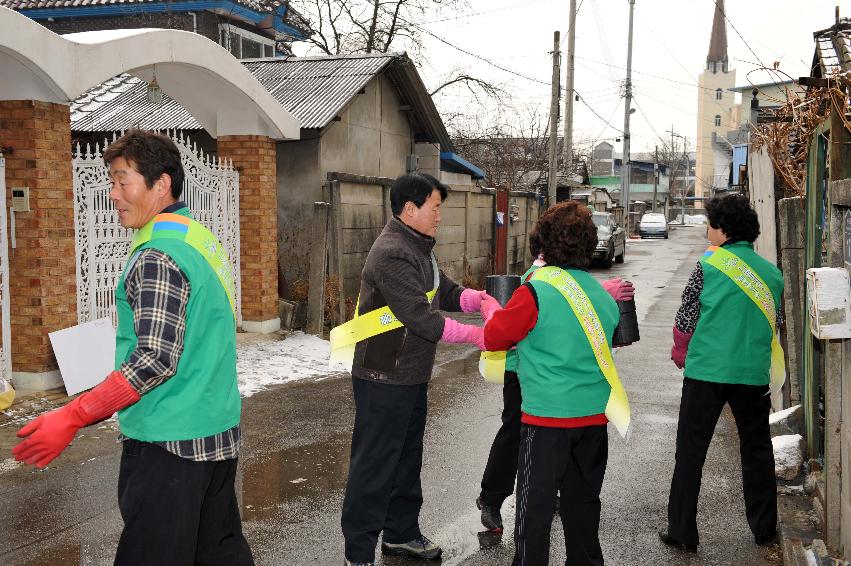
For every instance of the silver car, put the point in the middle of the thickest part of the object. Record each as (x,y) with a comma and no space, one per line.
(611,239)
(653,224)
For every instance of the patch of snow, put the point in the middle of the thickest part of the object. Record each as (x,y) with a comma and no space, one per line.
(299,356)
(299,480)
(779,416)
(8,465)
(787,455)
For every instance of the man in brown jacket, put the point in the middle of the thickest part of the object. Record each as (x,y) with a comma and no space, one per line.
(391,371)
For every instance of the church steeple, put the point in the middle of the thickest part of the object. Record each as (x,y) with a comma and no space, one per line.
(717,56)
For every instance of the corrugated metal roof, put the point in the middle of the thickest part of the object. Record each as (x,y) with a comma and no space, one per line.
(258,5)
(314,90)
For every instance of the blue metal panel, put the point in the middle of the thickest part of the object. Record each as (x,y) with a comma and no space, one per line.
(455,162)
(156,7)
(740,157)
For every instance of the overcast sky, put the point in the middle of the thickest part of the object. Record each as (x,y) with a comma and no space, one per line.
(671,40)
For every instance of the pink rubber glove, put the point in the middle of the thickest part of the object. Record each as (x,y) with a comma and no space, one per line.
(680,347)
(489,306)
(49,434)
(471,300)
(619,289)
(457,333)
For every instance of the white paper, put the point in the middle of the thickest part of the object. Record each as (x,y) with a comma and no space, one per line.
(86,353)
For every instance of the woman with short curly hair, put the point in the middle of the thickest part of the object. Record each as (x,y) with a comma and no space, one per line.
(723,337)
(563,437)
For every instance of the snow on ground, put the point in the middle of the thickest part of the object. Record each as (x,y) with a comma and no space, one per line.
(299,356)
(8,464)
(787,455)
(779,416)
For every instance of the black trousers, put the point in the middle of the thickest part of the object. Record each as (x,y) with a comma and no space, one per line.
(572,461)
(177,511)
(700,407)
(383,491)
(501,469)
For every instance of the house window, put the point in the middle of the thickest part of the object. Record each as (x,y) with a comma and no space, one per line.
(718,94)
(717,120)
(244,44)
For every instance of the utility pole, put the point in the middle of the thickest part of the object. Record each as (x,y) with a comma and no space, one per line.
(655,177)
(553,176)
(625,169)
(569,95)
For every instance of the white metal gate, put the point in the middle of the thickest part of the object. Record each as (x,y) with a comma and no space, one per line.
(5,321)
(210,190)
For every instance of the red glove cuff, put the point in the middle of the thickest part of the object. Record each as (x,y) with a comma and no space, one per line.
(112,394)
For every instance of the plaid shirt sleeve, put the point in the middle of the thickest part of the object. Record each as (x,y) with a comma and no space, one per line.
(158,293)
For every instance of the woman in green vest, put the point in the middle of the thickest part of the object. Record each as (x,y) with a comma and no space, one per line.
(563,437)
(725,340)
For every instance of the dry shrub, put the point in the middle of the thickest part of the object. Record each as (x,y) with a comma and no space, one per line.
(788,137)
(332,297)
(299,290)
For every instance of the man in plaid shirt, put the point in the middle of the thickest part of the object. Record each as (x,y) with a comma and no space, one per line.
(175,380)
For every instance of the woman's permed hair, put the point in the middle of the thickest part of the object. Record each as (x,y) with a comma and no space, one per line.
(565,234)
(734,215)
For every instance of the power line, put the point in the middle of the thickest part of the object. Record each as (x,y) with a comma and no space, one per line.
(588,106)
(646,119)
(720,9)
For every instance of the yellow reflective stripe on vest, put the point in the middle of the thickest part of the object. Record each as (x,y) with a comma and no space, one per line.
(174,226)
(362,327)
(755,288)
(617,407)
(492,366)
(345,337)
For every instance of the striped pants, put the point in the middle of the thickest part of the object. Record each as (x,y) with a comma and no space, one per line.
(571,461)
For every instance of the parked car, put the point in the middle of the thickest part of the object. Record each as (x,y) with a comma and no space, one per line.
(611,239)
(653,224)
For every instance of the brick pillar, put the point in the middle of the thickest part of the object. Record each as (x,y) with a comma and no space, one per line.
(254,157)
(42,282)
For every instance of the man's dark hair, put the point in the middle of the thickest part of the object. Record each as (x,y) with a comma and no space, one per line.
(734,215)
(565,234)
(415,188)
(152,154)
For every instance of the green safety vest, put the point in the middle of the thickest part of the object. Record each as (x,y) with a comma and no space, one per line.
(565,362)
(201,399)
(735,339)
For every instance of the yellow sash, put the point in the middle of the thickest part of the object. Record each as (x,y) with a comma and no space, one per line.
(755,288)
(492,366)
(617,407)
(345,337)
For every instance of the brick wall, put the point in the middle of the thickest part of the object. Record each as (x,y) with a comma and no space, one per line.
(254,157)
(42,279)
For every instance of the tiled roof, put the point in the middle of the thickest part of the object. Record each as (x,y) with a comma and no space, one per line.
(258,5)
(833,49)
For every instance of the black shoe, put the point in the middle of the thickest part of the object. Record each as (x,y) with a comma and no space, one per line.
(765,540)
(491,517)
(674,543)
(420,547)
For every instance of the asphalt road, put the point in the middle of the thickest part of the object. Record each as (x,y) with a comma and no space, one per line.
(295,457)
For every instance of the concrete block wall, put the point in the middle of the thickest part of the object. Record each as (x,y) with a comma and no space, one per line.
(526,208)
